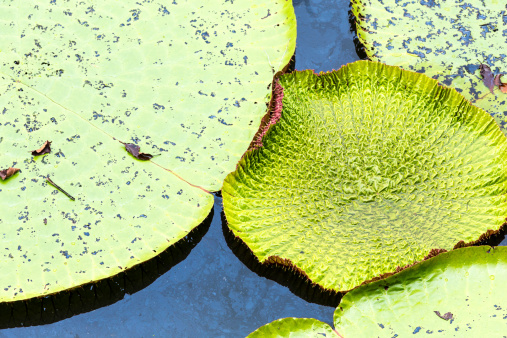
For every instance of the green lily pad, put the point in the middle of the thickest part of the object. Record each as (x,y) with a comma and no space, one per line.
(186,81)
(446,40)
(369,168)
(294,328)
(465,286)
(456,294)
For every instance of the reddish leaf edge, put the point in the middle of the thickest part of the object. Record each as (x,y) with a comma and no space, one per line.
(287,263)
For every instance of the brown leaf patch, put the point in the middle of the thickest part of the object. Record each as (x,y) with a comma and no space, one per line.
(6,173)
(498,82)
(45,149)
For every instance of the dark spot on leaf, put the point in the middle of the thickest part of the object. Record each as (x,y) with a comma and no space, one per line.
(133,149)
(446,316)
(487,76)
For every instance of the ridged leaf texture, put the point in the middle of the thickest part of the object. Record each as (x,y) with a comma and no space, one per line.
(445,39)
(369,168)
(185,80)
(468,283)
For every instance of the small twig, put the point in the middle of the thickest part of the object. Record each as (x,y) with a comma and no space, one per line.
(59,188)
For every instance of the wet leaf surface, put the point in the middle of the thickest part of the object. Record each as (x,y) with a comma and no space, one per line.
(442,39)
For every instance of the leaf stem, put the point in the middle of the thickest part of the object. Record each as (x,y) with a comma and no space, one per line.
(59,188)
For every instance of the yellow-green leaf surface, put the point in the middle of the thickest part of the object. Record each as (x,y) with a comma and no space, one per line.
(184,79)
(294,328)
(469,283)
(369,168)
(445,39)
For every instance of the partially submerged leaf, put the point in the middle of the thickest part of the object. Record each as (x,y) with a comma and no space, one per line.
(45,149)
(442,39)
(134,149)
(368,169)
(468,284)
(294,328)
(6,173)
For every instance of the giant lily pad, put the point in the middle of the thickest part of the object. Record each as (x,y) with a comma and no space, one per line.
(456,294)
(368,169)
(445,39)
(186,81)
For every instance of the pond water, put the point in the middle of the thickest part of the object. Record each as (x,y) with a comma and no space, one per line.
(211,293)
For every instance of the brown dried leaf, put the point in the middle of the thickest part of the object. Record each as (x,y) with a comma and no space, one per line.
(487,76)
(45,149)
(6,173)
(446,316)
(133,149)
(498,82)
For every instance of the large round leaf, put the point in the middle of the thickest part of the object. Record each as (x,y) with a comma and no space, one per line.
(445,39)
(294,328)
(368,169)
(456,294)
(186,80)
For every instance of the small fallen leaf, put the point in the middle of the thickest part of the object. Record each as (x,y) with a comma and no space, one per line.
(498,82)
(487,76)
(6,173)
(45,149)
(133,149)
(446,316)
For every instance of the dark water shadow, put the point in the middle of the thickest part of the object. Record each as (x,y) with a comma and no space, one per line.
(495,239)
(360,49)
(91,296)
(297,283)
